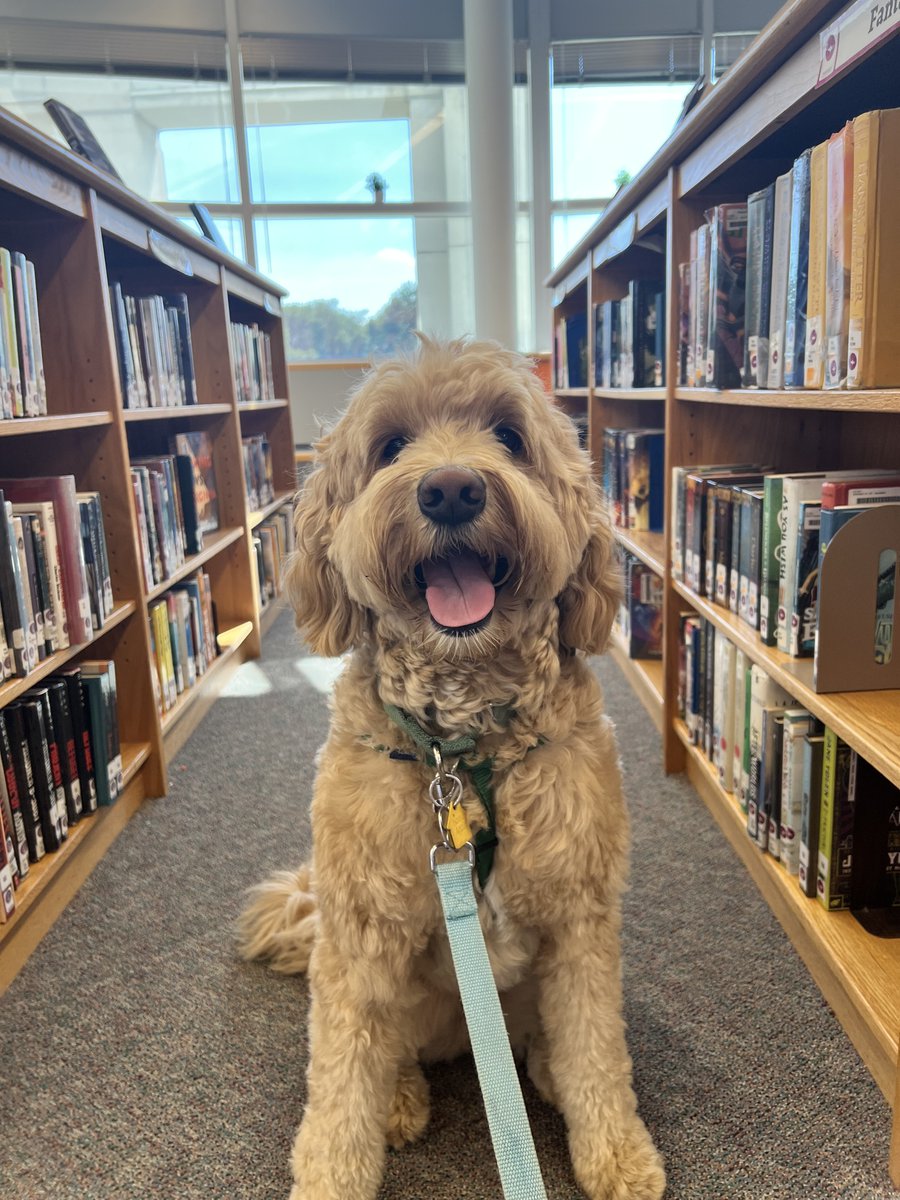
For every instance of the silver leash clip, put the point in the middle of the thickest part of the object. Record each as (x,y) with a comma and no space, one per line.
(445,792)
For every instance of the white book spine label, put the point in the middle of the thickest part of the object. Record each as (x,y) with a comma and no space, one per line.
(854,353)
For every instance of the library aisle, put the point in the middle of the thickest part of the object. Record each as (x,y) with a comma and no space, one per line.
(142,1058)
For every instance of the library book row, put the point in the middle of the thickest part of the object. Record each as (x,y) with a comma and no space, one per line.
(629,341)
(753,541)
(156,358)
(23,389)
(810,801)
(799,286)
(176,498)
(60,759)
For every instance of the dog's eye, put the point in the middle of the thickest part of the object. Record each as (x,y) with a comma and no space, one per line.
(392,448)
(511,438)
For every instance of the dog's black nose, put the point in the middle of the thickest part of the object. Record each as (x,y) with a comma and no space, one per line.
(451,495)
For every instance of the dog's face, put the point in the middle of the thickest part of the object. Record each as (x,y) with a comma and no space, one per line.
(449,499)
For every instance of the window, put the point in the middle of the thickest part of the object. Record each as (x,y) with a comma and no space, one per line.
(169,139)
(602,134)
(360,286)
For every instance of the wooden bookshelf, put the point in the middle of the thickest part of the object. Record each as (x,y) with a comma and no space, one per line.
(746,131)
(83,230)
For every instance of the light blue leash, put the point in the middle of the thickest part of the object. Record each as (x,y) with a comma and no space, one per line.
(520,1173)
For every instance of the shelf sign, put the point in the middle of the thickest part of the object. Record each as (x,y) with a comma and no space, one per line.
(270,305)
(169,253)
(862,26)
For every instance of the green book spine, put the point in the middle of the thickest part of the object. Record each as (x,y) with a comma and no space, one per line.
(835,825)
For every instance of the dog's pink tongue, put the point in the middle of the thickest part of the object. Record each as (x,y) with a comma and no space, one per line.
(459,591)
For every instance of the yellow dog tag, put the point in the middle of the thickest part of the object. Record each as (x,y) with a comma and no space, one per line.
(458,826)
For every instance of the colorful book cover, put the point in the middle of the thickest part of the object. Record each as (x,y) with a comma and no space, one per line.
(197,445)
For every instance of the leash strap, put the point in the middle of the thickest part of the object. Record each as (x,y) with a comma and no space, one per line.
(520,1173)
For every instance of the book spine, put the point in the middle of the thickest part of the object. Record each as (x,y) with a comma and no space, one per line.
(14,723)
(801,620)
(12,598)
(797,724)
(810,814)
(835,824)
(862,236)
(798,276)
(14,800)
(839,229)
(814,355)
(781,257)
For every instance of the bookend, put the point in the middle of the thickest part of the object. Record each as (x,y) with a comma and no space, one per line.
(845,658)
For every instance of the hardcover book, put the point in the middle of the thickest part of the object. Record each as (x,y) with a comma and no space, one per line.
(835,857)
(728,263)
(839,230)
(873,338)
(781,257)
(196,445)
(814,357)
(798,276)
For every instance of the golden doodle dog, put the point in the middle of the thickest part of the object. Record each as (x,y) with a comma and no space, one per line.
(452,536)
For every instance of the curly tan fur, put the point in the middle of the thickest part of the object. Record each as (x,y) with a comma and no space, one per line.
(384,997)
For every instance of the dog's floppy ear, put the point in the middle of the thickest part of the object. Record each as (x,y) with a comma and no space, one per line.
(329,620)
(590,599)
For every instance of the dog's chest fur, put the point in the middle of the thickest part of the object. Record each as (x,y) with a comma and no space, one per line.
(511,945)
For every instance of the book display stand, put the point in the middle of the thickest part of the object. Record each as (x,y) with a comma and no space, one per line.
(85,232)
(783,96)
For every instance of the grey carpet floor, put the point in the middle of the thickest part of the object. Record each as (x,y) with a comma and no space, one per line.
(139,1058)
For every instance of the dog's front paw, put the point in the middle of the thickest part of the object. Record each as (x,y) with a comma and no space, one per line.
(410,1110)
(627,1167)
(326,1169)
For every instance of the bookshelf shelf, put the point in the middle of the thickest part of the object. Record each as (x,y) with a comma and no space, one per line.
(856,971)
(215,543)
(648,393)
(177,412)
(13,688)
(572,393)
(262,406)
(84,232)
(743,135)
(27,426)
(869,721)
(650,548)
(885,401)
(260,514)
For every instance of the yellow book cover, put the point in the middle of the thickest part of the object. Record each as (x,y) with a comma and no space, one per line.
(814,358)
(838,231)
(873,343)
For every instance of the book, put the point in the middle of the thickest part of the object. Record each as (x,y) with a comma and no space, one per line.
(700,295)
(835,857)
(838,236)
(78,134)
(760,217)
(814,352)
(12,804)
(768,803)
(14,726)
(196,445)
(797,275)
(50,797)
(724,683)
(60,491)
(781,257)
(764,694)
(12,596)
(811,799)
(875,869)
(71,677)
(801,617)
(644,454)
(798,723)
(873,346)
(643,604)
(728,261)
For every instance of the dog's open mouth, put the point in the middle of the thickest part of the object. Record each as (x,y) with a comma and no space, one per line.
(461,590)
